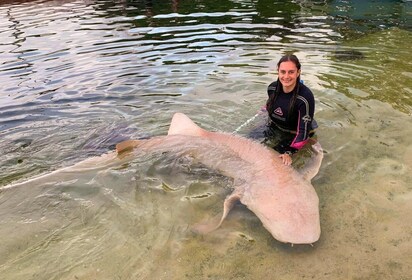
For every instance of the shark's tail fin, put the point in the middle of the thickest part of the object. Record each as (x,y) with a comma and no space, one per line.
(126,145)
(183,125)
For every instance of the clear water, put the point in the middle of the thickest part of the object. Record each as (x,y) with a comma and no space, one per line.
(76,77)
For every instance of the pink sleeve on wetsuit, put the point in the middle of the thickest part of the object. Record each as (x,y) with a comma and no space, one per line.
(299,145)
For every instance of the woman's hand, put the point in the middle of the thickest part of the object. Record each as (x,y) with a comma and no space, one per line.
(286,159)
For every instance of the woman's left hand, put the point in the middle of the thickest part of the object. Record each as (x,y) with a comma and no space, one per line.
(286,159)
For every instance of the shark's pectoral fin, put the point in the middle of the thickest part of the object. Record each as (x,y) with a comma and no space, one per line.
(312,166)
(230,201)
(215,223)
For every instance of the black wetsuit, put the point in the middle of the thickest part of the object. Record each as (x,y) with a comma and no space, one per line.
(298,126)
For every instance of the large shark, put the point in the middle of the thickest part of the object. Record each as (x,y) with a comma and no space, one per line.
(281,197)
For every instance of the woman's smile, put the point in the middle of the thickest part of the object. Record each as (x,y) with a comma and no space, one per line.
(288,74)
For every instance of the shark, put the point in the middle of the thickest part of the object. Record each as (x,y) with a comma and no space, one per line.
(282,197)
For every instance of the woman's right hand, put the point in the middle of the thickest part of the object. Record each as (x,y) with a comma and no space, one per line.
(286,159)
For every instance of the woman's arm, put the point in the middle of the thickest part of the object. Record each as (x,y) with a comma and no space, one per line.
(305,110)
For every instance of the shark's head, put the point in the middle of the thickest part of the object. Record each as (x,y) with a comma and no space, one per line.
(290,214)
(283,200)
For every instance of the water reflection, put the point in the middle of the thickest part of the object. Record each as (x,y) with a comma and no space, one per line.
(381,74)
(355,17)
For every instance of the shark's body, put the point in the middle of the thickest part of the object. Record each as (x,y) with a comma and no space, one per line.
(282,198)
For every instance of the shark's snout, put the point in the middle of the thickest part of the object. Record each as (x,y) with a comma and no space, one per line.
(294,231)
(291,214)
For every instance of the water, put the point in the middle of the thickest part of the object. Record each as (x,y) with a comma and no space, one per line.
(76,77)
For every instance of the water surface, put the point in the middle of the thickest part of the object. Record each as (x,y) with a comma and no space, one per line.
(76,77)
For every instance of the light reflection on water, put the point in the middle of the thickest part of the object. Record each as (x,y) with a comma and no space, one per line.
(77,77)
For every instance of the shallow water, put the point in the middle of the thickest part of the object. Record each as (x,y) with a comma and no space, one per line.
(76,77)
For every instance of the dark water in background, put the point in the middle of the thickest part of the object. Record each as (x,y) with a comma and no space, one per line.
(76,77)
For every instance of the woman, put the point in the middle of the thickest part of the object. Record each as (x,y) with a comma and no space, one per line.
(290,107)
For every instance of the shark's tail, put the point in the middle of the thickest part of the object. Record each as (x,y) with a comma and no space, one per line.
(126,145)
(180,125)
(183,125)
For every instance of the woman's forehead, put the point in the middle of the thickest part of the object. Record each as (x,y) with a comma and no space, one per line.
(287,65)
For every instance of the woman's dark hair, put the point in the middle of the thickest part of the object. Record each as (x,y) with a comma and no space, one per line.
(272,97)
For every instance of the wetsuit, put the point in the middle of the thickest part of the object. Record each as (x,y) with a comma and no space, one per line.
(297,126)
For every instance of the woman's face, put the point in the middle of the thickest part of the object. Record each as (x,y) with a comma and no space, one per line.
(288,74)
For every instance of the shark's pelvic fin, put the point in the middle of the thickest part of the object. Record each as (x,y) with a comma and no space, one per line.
(126,145)
(183,125)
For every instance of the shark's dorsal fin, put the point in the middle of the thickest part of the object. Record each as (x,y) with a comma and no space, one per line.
(183,125)
(312,167)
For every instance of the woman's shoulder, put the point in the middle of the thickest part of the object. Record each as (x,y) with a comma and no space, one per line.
(273,85)
(305,91)
(272,88)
